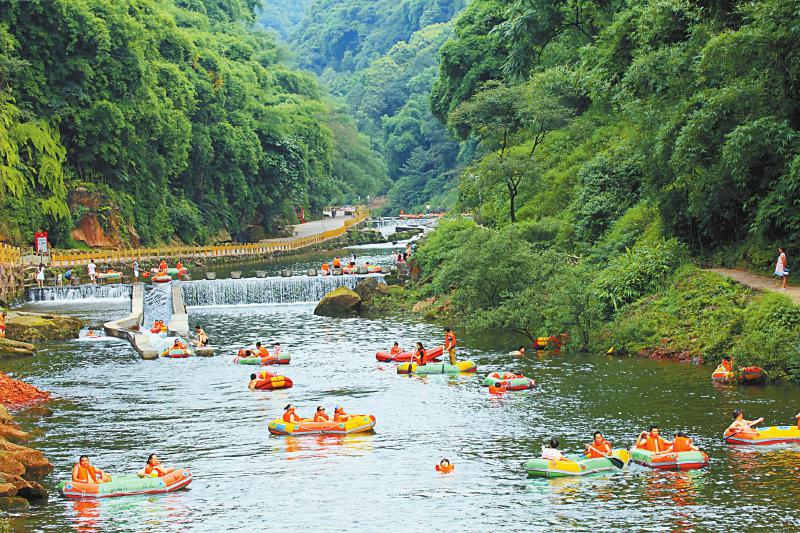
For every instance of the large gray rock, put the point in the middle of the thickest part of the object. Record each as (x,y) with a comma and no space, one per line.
(35,327)
(368,288)
(339,302)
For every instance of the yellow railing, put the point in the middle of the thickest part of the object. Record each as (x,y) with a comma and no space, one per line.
(261,248)
(9,255)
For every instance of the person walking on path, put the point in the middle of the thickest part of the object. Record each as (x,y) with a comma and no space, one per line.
(92,269)
(782,268)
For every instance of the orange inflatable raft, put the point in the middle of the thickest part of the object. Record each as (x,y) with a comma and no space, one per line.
(269,381)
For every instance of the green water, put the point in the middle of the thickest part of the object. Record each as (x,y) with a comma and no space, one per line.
(198,413)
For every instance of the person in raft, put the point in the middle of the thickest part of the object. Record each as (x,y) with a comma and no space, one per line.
(782,267)
(683,443)
(420,355)
(201,338)
(651,441)
(178,345)
(91,333)
(739,424)
(320,415)
(727,363)
(179,265)
(277,348)
(162,266)
(599,446)
(450,344)
(290,416)
(519,351)
(396,349)
(153,468)
(551,452)
(339,415)
(262,351)
(84,472)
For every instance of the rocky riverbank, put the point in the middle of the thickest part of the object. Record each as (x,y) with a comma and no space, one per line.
(36,327)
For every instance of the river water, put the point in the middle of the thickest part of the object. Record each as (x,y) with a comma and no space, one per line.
(199,414)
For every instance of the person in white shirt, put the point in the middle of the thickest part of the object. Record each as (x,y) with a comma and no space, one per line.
(92,268)
(552,453)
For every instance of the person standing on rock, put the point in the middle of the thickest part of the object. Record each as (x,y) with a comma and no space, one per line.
(782,267)
(92,269)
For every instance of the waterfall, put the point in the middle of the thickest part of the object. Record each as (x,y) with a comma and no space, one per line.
(157,303)
(275,290)
(81,292)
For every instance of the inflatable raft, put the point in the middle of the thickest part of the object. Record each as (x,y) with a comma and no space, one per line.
(574,466)
(127,485)
(243,359)
(509,381)
(437,368)
(356,424)
(161,278)
(177,353)
(764,436)
(669,461)
(405,357)
(268,381)
(752,375)
(720,375)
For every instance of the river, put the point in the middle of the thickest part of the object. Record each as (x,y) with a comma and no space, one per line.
(199,414)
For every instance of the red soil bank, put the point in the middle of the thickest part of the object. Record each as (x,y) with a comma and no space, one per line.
(15,393)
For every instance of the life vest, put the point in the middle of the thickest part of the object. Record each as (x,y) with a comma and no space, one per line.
(727,365)
(337,263)
(149,469)
(450,340)
(654,444)
(341,417)
(395,350)
(604,447)
(263,352)
(162,265)
(87,475)
(422,357)
(325,266)
(289,416)
(321,417)
(682,444)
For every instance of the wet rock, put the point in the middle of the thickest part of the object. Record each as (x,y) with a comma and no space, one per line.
(30,490)
(369,288)
(338,302)
(9,348)
(35,465)
(10,503)
(33,327)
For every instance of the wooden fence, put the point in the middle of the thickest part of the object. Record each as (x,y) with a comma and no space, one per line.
(77,258)
(9,255)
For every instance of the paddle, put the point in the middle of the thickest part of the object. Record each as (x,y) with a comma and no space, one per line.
(614,460)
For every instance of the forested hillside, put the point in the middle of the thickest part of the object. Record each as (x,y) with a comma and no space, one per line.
(381,58)
(163,119)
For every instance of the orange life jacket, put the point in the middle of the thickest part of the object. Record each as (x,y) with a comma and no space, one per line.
(654,444)
(395,350)
(321,417)
(682,444)
(87,475)
(325,266)
(337,263)
(289,416)
(604,447)
(341,417)
(162,265)
(179,265)
(150,468)
(263,352)
(422,357)
(450,340)
(727,365)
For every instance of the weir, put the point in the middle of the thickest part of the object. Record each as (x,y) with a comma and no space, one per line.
(116,291)
(273,290)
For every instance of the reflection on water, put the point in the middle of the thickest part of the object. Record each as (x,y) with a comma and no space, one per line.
(198,413)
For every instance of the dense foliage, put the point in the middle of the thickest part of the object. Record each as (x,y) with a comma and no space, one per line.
(184,114)
(382,59)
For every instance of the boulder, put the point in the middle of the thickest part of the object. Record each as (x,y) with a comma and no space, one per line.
(338,302)
(371,287)
(12,503)
(34,464)
(9,348)
(34,327)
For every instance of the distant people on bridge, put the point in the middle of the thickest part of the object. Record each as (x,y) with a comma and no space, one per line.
(782,267)
(91,268)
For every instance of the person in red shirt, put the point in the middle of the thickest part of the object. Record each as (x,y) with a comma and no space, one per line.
(652,441)
(599,447)
(450,344)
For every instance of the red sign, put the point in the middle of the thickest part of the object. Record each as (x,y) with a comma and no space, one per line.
(40,242)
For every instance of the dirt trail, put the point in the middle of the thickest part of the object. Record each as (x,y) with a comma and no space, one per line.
(759,282)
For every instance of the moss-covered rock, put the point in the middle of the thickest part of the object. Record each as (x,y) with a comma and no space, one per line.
(368,288)
(34,327)
(9,348)
(339,302)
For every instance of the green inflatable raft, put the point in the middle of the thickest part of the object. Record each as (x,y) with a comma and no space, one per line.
(574,465)
(437,368)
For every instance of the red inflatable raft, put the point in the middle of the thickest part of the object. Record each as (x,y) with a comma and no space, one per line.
(405,357)
(269,381)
